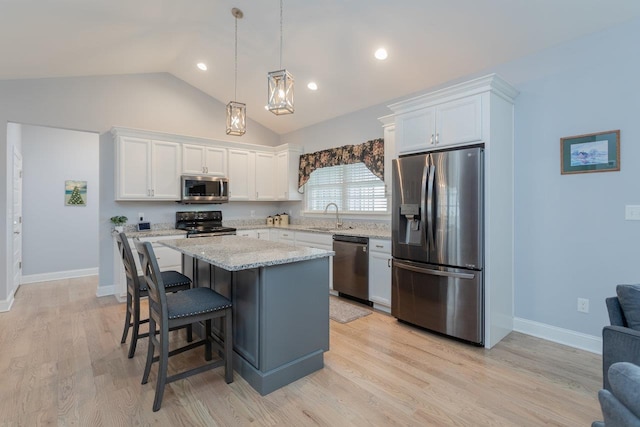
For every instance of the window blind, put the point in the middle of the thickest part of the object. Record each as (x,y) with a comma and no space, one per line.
(353,187)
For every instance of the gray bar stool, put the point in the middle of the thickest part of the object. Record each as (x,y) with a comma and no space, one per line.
(137,288)
(179,309)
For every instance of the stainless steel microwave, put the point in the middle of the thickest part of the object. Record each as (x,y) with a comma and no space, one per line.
(204,189)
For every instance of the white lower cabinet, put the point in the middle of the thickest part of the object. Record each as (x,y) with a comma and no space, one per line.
(380,274)
(247,233)
(168,259)
(286,236)
(264,234)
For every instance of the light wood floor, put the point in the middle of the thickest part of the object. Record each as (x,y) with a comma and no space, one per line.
(61,363)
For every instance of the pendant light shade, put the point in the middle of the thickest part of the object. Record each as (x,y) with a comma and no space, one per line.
(280,92)
(280,85)
(236,111)
(236,118)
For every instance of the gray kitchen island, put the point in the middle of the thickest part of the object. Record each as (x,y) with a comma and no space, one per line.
(280,297)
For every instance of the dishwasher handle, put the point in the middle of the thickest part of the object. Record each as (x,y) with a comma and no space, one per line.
(351,239)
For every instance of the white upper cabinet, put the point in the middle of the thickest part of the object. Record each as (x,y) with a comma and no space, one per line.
(165,170)
(286,176)
(451,123)
(265,176)
(204,160)
(242,175)
(149,165)
(459,122)
(147,169)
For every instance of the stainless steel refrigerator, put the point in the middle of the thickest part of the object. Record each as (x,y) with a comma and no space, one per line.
(438,242)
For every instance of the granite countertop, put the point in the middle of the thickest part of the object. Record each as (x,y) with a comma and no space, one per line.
(234,253)
(373,233)
(153,233)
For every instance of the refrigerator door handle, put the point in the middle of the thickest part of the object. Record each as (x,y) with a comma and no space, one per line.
(433,272)
(423,204)
(430,219)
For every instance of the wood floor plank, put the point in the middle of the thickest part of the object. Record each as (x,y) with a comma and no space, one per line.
(62,364)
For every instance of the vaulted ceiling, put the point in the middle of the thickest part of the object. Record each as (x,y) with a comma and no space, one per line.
(328,41)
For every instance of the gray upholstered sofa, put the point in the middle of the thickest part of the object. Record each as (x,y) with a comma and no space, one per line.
(619,342)
(621,405)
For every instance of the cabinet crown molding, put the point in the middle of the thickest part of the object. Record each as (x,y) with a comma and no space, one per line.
(118,131)
(491,83)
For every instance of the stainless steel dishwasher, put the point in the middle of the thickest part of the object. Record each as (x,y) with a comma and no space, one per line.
(351,266)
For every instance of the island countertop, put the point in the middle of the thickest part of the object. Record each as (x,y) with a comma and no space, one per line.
(234,253)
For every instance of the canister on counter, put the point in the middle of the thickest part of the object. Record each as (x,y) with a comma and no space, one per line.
(276,220)
(284,219)
(269,220)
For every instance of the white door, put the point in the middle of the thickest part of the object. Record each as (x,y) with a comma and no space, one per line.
(17,218)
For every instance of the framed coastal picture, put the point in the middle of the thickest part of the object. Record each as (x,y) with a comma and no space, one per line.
(75,193)
(593,152)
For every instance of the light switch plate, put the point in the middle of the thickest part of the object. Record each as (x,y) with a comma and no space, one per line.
(632,213)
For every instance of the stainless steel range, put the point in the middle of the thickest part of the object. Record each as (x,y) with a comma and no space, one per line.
(202,224)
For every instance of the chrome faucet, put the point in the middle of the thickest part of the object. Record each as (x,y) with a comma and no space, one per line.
(338,222)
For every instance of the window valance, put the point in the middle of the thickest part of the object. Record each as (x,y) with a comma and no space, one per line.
(371,153)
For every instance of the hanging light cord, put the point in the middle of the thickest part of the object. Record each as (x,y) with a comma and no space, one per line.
(281,34)
(235,89)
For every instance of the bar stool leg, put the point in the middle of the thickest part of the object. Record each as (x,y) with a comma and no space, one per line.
(228,347)
(162,368)
(150,351)
(127,319)
(136,328)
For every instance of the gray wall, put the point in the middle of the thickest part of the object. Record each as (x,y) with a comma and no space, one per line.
(57,237)
(158,102)
(571,238)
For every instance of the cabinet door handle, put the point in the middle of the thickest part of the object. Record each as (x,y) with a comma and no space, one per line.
(437,138)
(389,263)
(379,246)
(431,140)
(206,169)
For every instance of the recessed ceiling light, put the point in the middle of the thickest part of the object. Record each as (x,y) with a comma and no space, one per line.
(381,53)
(312,86)
(202,66)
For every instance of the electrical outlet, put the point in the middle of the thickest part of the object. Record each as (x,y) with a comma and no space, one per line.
(632,213)
(583,305)
(140,216)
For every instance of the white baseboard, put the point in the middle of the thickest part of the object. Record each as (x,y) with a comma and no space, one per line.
(562,336)
(58,275)
(5,305)
(104,291)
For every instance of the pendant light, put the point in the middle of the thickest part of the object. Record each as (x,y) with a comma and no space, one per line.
(280,85)
(236,111)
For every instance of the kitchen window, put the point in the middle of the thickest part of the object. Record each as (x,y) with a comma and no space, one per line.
(353,187)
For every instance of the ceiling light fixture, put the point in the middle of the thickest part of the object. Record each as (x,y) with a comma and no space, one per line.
(381,54)
(280,85)
(236,111)
(202,66)
(312,86)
